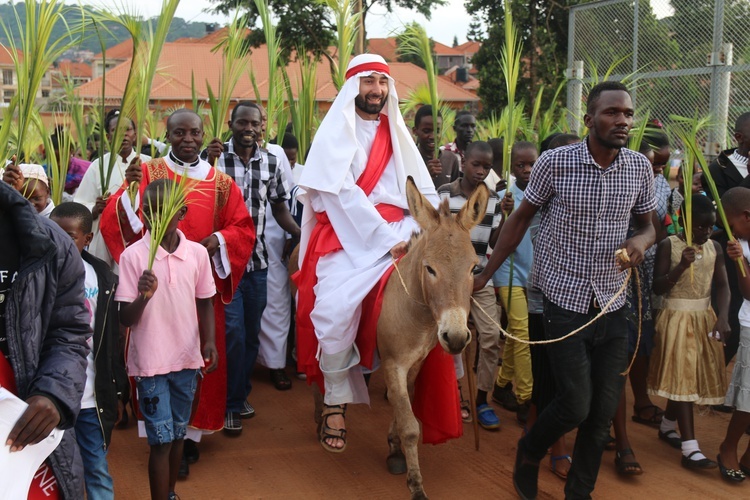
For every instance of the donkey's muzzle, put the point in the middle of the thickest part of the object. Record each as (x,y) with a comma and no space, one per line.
(455,342)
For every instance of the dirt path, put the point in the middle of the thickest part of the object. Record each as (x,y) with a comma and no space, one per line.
(277,456)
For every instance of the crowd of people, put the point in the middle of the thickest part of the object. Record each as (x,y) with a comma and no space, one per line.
(97,312)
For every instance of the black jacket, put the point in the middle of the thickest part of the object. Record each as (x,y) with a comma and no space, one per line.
(111,382)
(47,324)
(724,173)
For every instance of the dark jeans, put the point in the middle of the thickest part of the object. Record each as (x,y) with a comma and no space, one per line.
(587,369)
(243,327)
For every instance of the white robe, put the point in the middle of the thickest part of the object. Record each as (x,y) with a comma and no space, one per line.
(347,276)
(277,316)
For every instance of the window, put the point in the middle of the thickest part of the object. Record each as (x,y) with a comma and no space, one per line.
(45,93)
(7,77)
(7,96)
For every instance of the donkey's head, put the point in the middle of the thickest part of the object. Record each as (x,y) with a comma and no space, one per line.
(447,263)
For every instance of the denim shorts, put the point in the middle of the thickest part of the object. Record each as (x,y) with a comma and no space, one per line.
(166,402)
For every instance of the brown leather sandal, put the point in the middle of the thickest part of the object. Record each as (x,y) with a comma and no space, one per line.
(325,432)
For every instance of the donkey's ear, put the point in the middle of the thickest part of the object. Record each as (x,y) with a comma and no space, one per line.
(473,211)
(421,209)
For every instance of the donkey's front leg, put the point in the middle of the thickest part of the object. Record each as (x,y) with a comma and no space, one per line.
(406,424)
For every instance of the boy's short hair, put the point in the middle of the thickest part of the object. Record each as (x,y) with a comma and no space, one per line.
(561,140)
(73,210)
(159,187)
(289,141)
(656,138)
(461,114)
(522,145)
(425,110)
(479,147)
(736,200)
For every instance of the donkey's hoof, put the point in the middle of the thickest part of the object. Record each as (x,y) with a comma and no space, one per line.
(396,464)
(420,495)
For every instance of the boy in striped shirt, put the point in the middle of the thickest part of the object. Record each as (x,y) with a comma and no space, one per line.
(476,166)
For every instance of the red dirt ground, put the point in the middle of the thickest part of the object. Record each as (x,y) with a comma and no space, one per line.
(278,457)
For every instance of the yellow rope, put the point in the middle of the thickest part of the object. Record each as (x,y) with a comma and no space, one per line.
(578,330)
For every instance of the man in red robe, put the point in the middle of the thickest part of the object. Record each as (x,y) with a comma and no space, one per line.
(216,217)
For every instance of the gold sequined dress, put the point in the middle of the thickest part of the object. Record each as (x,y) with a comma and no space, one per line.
(687,365)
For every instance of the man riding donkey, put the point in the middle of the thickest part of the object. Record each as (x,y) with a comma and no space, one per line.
(355,221)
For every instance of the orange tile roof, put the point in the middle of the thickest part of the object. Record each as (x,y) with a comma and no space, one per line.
(384,47)
(213,38)
(123,50)
(469,47)
(5,58)
(179,61)
(79,70)
(444,50)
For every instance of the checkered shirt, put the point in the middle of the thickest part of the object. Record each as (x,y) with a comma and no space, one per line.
(585,213)
(261,181)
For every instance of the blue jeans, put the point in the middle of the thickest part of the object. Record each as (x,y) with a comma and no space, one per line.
(243,329)
(90,438)
(587,369)
(166,402)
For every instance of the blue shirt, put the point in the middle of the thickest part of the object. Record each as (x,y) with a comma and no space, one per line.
(524,254)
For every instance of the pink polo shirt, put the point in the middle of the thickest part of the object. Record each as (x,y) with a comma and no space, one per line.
(166,339)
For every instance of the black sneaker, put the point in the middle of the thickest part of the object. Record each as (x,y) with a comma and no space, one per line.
(505,397)
(525,474)
(190,451)
(522,415)
(184,470)
(232,424)
(247,410)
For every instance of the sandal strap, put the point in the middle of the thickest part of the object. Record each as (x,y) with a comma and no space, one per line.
(333,410)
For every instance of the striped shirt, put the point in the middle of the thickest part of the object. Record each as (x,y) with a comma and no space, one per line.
(480,234)
(585,214)
(259,182)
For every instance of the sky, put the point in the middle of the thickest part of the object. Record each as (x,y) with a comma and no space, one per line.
(446,22)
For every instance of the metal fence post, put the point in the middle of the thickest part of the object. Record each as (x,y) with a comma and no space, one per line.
(719,95)
(575,96)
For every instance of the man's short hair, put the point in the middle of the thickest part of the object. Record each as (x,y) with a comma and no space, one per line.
(598,89)
(478,147)
(461,114)
(425,110)
(742,121)
(73,210)
(497,146)
(545,144)
(183,111)
(245,104)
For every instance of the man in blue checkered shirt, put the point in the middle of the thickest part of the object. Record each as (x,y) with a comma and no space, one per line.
(586,193)
(258,174)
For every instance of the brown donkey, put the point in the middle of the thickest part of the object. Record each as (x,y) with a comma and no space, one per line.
(432,308)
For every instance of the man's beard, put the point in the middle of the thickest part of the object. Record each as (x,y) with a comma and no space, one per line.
(370,109)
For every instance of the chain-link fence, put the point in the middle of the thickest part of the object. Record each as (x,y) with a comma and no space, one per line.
(679,57)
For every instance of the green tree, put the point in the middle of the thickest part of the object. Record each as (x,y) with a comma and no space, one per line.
(308,23)
(475,33)
(411,58)
(455,41)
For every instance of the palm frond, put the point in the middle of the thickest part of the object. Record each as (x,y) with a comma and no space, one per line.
(510,59)
(347,28)
(303,111)
(638,133)
(38,51)
(275,108)
(688,131)
(234,49)
(414,41)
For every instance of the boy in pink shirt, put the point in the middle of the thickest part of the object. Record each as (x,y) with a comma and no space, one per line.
(167,329)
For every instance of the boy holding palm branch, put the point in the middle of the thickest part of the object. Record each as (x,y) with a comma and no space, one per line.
(166,336)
